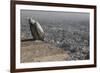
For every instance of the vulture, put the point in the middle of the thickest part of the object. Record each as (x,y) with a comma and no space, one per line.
(36,30)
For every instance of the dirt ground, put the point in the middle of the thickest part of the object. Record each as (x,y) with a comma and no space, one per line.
(38,51)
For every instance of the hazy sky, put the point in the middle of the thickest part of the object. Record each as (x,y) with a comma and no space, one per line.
(51,16)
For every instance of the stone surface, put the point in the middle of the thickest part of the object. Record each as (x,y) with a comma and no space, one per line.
(37,51)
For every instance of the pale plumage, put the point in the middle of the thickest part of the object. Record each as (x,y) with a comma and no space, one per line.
(36,30)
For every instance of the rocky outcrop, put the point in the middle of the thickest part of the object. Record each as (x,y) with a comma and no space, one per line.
(37,51)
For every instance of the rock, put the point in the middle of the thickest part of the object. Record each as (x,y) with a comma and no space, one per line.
(38,51)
